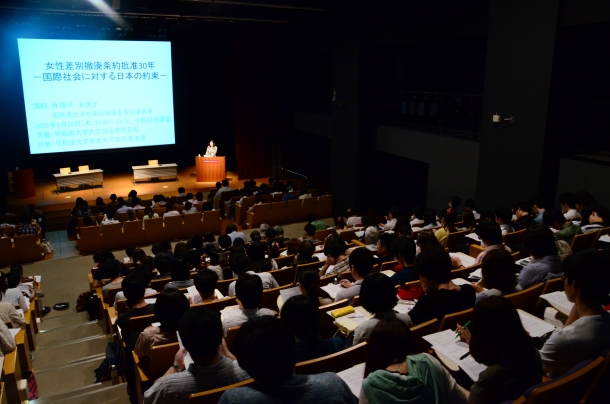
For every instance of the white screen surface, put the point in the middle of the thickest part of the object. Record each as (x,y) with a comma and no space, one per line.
(92,95)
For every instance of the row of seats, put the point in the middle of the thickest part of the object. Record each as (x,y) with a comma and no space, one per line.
(19,250)
(282,212)
(120,235)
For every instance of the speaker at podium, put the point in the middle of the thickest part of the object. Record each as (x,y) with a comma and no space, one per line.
(210,169)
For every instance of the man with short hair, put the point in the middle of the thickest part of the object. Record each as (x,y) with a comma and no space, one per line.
(491,238)
(563,229)
(181,276)
(404,250)
(503,217)
(225,187)
(29,226)
(181,191)
(583,201)
(231,231)
(163,264)
(134,290)
(524,219)
(136,204)
(384,248)
(568,206)
(200,331)
(361,264)
(391,219)
(249,293)
(241,265)
(599,218)
(310,233)
(265,348)
(166,247)
(171,210)
(109,218)
(537,205)
(471,205)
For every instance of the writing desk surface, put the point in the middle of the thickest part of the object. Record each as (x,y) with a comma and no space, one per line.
(157,166)
(75,173)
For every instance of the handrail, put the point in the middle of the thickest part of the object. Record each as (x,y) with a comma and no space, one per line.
(290,171)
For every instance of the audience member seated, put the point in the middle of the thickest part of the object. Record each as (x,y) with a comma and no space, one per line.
(468,221)
(404,250)
(279,236)
(318,224)
(304,318)
(335,249)
(305,254)
(169,309)
(7,341)
(353,219)
(113,270)
(198,199)
(224,241)
(568,206)
(8,313)
(189,208)
(148,214)
(309,283)
(339,222)
(292,247)
(133,288)
(471,206)
(10,293)
(586,333)
(503,217)
(309,234)
(192,258)
(538,207)
(211,195)
(171,211)
(371,236)
(583,202)
(99,202)
(524,218)
(205,283)
(180,250)
(441,295)
(240,264)
(417,219)
(429,220)
(100,259)
(249,293)
(258,254)
(491,238)
(218,264)
(213,366)
(29,226)
(181,276)
(448,218)
(108,218)
(232,232)
(166,248)
(123,207)
(545,263)
(384,248)
(378,297)
(599,218)
(498,340)
(163,265)
(498,276)
(394,375)
(181,191)
(145,274)
(274,378)
(361,264)
(564,230)
(391,218)
(454,203)
(32,291)
(224,188)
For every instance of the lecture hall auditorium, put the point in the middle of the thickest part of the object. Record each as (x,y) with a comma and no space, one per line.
(289,201)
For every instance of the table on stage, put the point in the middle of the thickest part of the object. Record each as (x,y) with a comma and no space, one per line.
(210,169)
(161,170)
(79,178)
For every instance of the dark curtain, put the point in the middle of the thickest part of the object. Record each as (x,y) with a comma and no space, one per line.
(256,99)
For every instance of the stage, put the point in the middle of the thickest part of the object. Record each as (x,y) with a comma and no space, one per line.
(48,200)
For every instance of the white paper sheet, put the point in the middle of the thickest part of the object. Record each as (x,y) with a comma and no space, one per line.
(605,238)
(320,255)
(533,325)
(559,299)
(229,312)
(359,234)
(477,274)
(474,237)
(332,290)
(38,278)
(288,293)
(126,259)
(187,356)
(194,294)
(151,301)
(467,260)
(353,377)
(404,307)
(388,273)
(445,343)
(460,281)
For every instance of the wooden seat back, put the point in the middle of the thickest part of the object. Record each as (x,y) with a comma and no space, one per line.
(159,211)
(279,213)
(284,276)
(302,267)
(230,337)
(159,284)
(599,391)
(269,299)
(113,236)
(133,233)
(122,217)
(27,249)
(321,235)
(284,261)
(7,254)
(153,230)
(193,224)
(295,211)
(211,221)
(336,362)
(390,265)
(420,331)
(514,238)
(172,227)
(348,235)
(552,285)
(89,239)
(450,321)
(213,396)
(526,299)
(218,305)
(324,207)
(223,286)
(309,206)
(465,272)
(327,326)
(161,358)
(582,242)
(455,238)
(139,323)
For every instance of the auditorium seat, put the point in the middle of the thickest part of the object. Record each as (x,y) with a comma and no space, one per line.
(218,305)
(269,299)
(7,254)
(242,209)
(267,198)
(159,211)
(211,221)
(336,362)
(27,249)
(147,371)
(279,214)
(309,206)
(276,197)
(122,217)
(133,233)
(173,228)
(294,211)
(89,240)
(302,267)
(324,207)
(193,224)
(261,214)
(284,276)
(153,230)
(112,235)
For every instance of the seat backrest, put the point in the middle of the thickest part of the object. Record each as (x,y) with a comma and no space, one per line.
(450,321)
(83,168)
(475,250)
(284,276)
(122,217)
(218,305)
(465,272)
(420,331)
(327,328)
(223,286)
(230,337)
(111,294)
(514,238)
(515,256)
(213,396)
(302,267)
(526,299)
(585,241)
(348,235)
(321,235)
(162,358)
(599,391)
(269,299)
(159,284)
(336,362)
(7,255)
(455,238)
(139,323)
(390,265)
(27,249)
(284,261)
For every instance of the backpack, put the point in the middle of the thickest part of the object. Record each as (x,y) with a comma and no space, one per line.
(113,357)
(47,248)
(81,302)
(92,308)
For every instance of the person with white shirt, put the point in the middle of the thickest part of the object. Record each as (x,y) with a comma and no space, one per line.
(471,205)
(361,264)
(231,231)
(241,265)
(503,217)
(391,219)
(586,333)
(171,211)
(599,218)
(249,293)
(123,208)
(189,208)
(568,206)
(109,218)
(352,219)
(136,204)
(225,187)
(371,236)
(11,294)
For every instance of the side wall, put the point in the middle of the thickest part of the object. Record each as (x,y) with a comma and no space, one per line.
(576,175)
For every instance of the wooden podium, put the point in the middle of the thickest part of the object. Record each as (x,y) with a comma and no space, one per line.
(210,169)
(24,183)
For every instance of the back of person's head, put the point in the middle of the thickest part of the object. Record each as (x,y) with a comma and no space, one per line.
(537,201)
(181,190)
(553,216)
(403,227)
(169,206)
(225,182)
(197,241)
(450,217)
(193,258)
(238,243)
(99,201)
(87,221)
(371,235)
(256,251)
(110,214)
(588,274)
(224,241)
(309,280)
(426,239)
(584,198)
(429,217)
(112,268)
(17,269)
(144,272)
(455,201)
(302,317)
(306,251)
(133,288)
(540,241)
(310,230)
(263,228)
(122,203)
(189,196)
(240,264)
(292,246)
(603,213)
(113,198)
(165,246)
(269,233)
(504,214)
(389,342)
(199,196)
(498,270)
(208,237)
(335,246)
(129,251)
(231,227)
(524,206)
(490,232)
(378,294)
(155,249)
(567,198)
(180,270)
(279,231)
(405,247)
(163,263)
(205,282)
(386,240)
(187,205)
(255,235)
(169,308)
(361,259)
(180,249)
(201,332)
(105,256)
(468,220)
(470,204)
(498,336)
(253,344)
(249,290)
(13,279)
(434,264)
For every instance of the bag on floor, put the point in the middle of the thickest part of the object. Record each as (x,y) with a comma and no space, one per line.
(28,376)
(81,302)
(93,312)
(113,357)
(47,247)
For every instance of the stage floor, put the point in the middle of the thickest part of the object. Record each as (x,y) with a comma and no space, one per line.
(48,200)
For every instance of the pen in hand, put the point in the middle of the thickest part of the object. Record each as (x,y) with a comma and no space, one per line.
(465,326)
